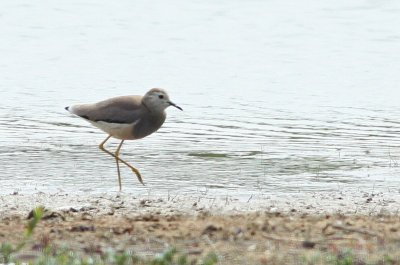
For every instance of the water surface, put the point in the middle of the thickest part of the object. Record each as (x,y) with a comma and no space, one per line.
(278,97)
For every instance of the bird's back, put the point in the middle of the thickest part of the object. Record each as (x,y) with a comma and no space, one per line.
(123,117)
(124,109)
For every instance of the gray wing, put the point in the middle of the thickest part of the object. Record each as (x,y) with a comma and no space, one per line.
(125,109)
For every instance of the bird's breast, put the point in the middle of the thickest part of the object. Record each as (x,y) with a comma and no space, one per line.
(148,125)
(122,131)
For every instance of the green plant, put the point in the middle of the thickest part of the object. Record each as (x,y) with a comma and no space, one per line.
(7,249)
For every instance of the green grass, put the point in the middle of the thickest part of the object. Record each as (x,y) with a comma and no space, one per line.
(66,257)
(348,257)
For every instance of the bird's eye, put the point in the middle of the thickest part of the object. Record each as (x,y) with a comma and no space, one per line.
(160,96)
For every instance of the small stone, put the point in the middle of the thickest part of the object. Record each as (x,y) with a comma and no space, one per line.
(308,244)
(82,228)
(252,247)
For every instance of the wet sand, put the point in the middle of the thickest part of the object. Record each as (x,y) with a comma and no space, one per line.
(342,202)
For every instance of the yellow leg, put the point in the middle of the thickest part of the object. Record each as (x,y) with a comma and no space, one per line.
(117,161)
(101,146)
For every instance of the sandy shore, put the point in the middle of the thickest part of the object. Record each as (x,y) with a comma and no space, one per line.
(343,202)
(258,230)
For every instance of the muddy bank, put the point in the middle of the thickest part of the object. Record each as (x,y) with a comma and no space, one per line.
(241,238)
(255,231)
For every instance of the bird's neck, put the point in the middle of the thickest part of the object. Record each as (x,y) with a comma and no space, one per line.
(153,111)
(147,108)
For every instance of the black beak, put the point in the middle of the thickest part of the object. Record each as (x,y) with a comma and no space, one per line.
(173,104)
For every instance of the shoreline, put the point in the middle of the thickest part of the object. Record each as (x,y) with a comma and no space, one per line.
(343,202)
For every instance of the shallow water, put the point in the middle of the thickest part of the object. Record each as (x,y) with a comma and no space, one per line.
(278,97)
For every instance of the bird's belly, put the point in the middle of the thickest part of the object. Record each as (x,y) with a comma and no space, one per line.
(122,131)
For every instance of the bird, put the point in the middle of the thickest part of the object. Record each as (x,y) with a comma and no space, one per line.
(126,118)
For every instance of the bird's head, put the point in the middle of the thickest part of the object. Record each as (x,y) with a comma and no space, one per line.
(157,99)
